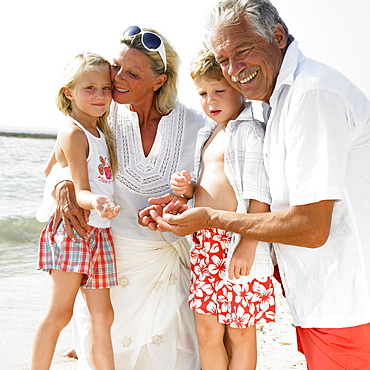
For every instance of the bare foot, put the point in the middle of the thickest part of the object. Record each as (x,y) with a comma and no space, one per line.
(71,353)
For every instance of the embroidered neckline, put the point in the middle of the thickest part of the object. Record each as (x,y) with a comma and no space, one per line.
(150,174)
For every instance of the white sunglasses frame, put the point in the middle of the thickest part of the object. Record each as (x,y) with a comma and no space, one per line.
(160,49)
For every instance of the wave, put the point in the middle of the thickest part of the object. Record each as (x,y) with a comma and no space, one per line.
(33,132)
(36,135)
(19,230)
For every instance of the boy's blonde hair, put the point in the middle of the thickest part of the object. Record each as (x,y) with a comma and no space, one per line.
(205,65)
(81,63)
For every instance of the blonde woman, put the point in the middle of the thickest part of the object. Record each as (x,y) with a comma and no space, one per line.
(154,137)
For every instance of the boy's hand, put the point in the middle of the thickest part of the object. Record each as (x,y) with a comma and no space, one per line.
(180,182)
(242,260)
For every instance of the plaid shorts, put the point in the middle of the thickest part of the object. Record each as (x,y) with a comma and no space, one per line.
(94,257)
(237,305)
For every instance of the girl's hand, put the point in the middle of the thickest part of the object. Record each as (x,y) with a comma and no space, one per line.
(105,207)
(180,182)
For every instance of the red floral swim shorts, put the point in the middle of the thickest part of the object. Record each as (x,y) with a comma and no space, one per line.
(237,305)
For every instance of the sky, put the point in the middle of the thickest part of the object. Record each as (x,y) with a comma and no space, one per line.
(39,37)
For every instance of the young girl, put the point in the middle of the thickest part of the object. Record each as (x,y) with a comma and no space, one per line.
(89,263)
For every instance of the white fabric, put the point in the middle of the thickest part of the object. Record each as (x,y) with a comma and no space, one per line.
(141,177)
(48,205)
(100,172)
(153,327)
(100,178)
(317,147)
(244,168)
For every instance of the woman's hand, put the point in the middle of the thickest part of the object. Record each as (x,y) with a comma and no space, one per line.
(68,210)
(176,204)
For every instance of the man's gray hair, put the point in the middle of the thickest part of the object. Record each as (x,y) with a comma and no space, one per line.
(261,14)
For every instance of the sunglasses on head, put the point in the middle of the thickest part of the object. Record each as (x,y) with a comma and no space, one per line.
(151,41)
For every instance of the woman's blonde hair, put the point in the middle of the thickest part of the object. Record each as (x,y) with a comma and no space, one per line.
(166,96)
(81,63)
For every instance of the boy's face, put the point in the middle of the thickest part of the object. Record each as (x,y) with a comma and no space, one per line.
(219,100)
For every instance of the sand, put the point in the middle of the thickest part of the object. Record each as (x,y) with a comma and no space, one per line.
(23,300)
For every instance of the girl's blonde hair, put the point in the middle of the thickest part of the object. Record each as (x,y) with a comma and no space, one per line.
(81,63)
(166,96)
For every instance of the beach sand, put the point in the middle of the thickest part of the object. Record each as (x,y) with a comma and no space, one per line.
(23,300)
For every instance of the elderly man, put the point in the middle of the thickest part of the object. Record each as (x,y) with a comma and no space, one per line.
(317,156)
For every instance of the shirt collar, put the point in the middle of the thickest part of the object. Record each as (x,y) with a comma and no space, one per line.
(293,56)
(289,65)
(245,115)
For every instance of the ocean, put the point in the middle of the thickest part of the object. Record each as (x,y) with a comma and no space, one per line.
(24,292)
(21,188)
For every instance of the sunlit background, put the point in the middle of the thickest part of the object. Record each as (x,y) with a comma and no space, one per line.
(38,37)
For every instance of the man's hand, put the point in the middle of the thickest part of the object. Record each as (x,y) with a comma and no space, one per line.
(184,223)
(176,203)
(145,219)
(68,210)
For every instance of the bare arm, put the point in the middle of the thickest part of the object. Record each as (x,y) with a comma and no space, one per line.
(68,210)
(65,192)
(181,184)
(305,226)
(74,150)
(50,163)
(243,257)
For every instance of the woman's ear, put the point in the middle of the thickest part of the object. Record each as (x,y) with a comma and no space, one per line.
(67,92)
(161,79)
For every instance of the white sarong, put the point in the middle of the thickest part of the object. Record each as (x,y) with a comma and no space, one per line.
(153,327)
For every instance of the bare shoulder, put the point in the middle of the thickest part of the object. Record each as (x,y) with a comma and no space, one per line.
(71,133)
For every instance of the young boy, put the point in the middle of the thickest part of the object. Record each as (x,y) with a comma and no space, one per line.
(231,284)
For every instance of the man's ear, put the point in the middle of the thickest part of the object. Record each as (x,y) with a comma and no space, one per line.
(280,36)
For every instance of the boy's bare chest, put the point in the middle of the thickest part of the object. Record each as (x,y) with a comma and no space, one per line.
(213,188)
(214,148)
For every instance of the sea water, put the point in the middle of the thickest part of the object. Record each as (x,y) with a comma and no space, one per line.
(21,187)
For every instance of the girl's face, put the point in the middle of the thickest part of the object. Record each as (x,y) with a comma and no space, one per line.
(133,79)
(219,100)
(92,93)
